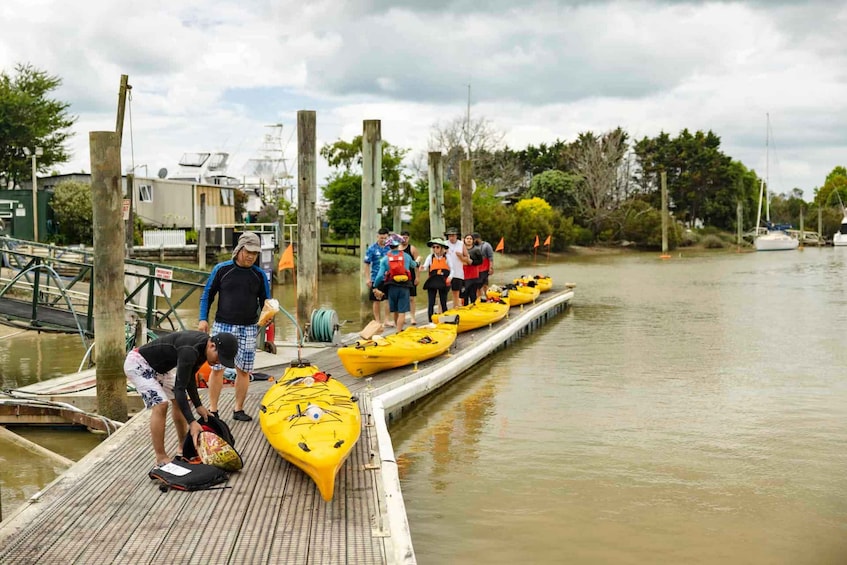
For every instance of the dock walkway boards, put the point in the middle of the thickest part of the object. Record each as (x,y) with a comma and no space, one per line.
(105,509)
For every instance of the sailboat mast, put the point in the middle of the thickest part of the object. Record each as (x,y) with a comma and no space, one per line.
(767,168)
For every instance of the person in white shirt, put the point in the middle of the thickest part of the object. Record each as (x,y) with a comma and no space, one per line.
(457,256)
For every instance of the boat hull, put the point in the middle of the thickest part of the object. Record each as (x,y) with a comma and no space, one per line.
(317,441)
(412,345)
(478,315)
(839,239)
(776,241)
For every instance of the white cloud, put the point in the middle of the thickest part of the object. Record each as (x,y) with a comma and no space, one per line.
(211,74)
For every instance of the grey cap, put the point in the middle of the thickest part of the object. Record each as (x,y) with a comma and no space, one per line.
(250,241)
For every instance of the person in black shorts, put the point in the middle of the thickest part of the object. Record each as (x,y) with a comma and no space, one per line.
(163,370)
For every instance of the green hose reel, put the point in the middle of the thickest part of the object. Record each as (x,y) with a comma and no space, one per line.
(324,326)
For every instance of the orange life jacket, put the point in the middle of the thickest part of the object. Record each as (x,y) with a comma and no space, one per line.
(397,267)
(438,265)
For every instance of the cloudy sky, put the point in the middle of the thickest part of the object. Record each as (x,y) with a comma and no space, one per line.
(212,74)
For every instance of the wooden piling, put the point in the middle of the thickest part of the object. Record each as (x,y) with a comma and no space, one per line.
(664,213)
(465,183)
(436,194)
(107,202)
(371,193)
(308,232)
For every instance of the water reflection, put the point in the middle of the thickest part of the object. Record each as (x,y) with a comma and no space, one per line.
(453,437)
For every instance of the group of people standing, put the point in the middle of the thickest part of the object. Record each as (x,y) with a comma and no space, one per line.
(457,267)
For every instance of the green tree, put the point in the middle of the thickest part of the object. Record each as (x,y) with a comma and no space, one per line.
(397,189)
(344,191)
(836,183)
(29,118)
(699,176)
(558,188)
(73,211)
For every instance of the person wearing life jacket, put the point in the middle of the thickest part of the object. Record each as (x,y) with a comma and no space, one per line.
(438,283)
(471,271)
(395,273)
(412,251)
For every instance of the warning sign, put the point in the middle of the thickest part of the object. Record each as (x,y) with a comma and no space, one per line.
(162,287)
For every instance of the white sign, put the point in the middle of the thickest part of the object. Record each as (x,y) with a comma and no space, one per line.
(163,288)
(126,209)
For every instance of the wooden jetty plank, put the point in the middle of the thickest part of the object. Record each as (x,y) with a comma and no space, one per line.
(106,509)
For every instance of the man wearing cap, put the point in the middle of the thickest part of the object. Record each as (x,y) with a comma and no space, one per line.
(457,257)
(164,370)
(242,288)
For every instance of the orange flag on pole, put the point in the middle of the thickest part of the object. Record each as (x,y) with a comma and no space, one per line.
(500,246)
(536,242)
(547,241)
(287,259)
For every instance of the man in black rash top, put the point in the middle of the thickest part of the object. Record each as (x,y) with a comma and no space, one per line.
(241,288)
(164,369)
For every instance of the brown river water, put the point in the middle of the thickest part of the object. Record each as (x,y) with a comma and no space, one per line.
(683,411)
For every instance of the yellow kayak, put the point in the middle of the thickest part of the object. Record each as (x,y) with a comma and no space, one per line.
(413,344)
(479,314)
(543,282)
(518,294)
(312,422)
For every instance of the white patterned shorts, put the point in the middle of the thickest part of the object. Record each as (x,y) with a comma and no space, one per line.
(154,388)
(246,336)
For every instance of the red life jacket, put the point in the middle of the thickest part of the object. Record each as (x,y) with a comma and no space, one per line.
(438,265)
(397,267)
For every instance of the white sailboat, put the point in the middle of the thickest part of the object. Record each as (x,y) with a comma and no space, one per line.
(839,239)
(770,237)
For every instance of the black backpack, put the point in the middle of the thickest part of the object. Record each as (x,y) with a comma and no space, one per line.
(181,475)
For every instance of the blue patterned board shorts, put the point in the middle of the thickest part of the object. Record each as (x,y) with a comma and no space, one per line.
(154,388)
(246,336)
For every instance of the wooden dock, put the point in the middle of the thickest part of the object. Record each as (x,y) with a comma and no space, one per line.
(105,509)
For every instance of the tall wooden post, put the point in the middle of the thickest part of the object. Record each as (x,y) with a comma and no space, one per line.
(664,213)
(802,233)
(465,178)
(201,235)
(820,221)
(436,195)
(122,93)
(107,201)
(739,223)
(371,193)
(308,238)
